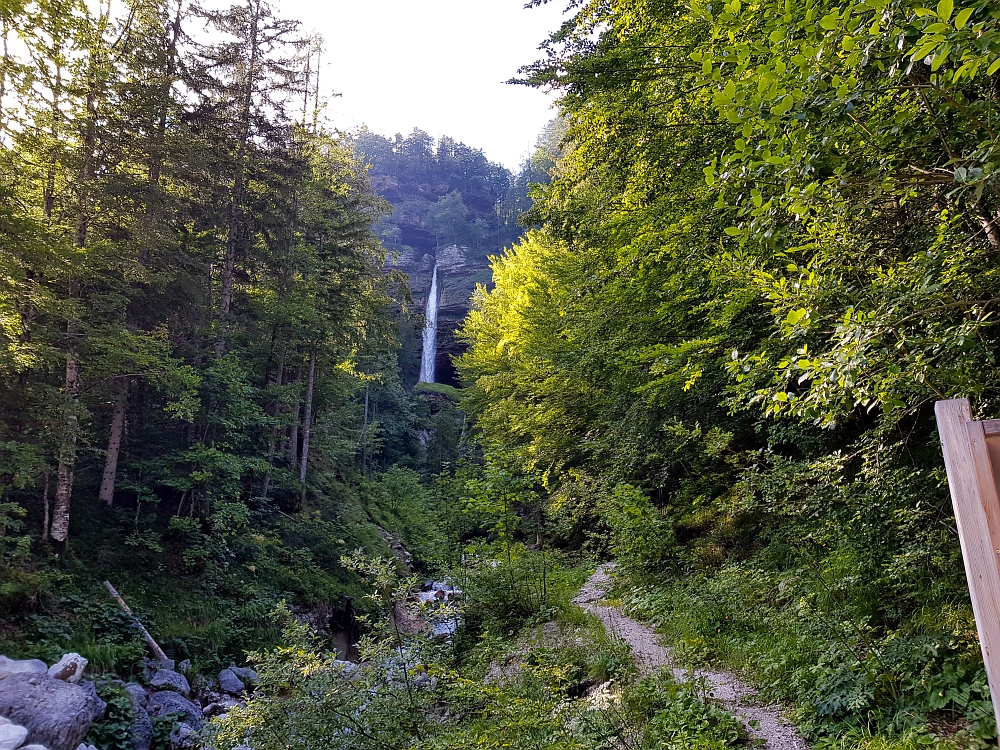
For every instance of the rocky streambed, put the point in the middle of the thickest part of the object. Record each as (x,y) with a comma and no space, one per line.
(53,707)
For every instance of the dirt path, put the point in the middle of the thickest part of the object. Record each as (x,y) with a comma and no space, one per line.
(736,697)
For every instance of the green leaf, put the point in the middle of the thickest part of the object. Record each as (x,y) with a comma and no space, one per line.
(921,52)
(994,67)
(945,8)
(794,316)
(830,22)
(963,17)
(941,57)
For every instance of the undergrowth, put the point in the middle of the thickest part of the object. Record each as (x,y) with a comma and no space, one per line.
(851,683)
(558,682)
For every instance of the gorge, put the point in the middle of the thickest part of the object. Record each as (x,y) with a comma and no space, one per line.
(276,382)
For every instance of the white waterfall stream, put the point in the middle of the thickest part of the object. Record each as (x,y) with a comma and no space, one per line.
(429,353)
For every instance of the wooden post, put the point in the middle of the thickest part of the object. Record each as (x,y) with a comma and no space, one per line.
(153,645)
(972,459)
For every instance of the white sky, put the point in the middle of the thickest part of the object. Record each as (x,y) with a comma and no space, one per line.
(439,65)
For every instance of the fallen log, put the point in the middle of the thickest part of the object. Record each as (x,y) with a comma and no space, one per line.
(153,645)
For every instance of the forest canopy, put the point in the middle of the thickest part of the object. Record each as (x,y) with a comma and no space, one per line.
(756,245)
(769,250)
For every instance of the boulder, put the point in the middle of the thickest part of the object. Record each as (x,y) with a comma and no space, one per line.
(33,747)
(184,667)
(168,702)
(138,693)
(5,721)
(168,679)
(95,700)
(153,665)
(15,666)
(56,713)
(69,668)
(183,737)
(223,705)
(230,683)
(247,676)
(141,729)
(12,736)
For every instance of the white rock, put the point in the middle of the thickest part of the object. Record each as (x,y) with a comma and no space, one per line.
(15,666)
(69,668)
(33,747)
(12,736)
(4,721)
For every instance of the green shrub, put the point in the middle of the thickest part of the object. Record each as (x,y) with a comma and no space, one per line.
(112,731)
(806,647)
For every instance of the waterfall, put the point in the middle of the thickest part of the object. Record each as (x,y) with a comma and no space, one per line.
(430,331)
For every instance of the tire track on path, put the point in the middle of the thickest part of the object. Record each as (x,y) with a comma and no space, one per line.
(650,655)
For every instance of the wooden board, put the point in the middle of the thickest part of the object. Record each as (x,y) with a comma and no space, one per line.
(972,457)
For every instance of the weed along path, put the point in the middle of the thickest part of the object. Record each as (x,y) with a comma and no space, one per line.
(763,722)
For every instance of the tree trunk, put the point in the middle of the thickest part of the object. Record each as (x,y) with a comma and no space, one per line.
(49,191)
(293,438)
(364,439)
(114,443)
(71,388)
(45,510)
(158,145)
(239,182)
(6,67)
(67,451)
(988,223)
(307,422)
(274,430)
(156,162)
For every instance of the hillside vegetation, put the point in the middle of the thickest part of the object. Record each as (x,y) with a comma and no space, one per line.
(755,247)
(770,248)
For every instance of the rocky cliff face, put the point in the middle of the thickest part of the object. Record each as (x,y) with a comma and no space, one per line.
(459,270)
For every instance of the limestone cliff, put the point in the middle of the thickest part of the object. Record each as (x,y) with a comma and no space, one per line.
(459,271)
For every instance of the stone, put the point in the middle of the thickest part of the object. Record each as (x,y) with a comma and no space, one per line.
(223,705)
(184,667)
(57,714)
(12,736)
(168,679)
(95,700)
(183,737)
(212,709)
(33,747)
(5,721)
(451,258)
(141,729)
(138,693)
(69,668)
(168,702)
(246,674)
(230,683)
(152,666)
(15,666)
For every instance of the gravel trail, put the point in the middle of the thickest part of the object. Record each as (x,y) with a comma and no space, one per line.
(725,687)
